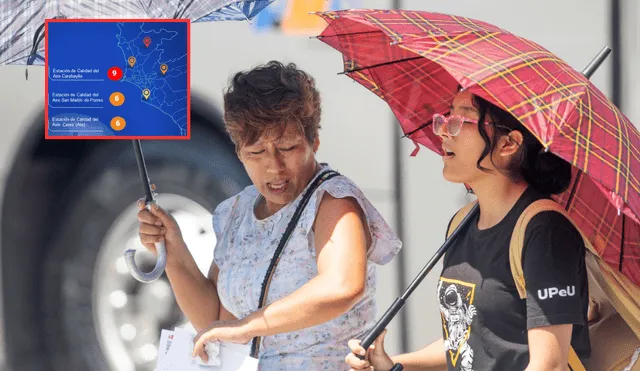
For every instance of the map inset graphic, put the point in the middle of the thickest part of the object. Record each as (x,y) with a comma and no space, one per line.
(112,79)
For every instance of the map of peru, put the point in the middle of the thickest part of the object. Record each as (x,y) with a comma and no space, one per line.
(117,79)
(167,91)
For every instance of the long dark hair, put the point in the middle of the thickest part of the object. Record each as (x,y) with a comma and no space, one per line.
(543,171)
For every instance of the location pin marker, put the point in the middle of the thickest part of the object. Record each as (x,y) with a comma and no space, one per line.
(147,41)
(132,61)
(146,93)
(163,68)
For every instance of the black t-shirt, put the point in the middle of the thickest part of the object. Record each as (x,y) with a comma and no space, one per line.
(484,320)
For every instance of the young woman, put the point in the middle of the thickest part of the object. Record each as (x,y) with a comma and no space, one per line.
(485,324)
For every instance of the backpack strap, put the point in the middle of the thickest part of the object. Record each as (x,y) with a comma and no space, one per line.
(459,216)
(515,256)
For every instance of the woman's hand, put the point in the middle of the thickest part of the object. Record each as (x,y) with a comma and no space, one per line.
(228,331)
(155,226)
(376,358)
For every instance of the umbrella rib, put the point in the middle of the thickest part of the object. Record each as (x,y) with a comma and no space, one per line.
(181,9)
(380,65)
(343,34)
(37,37)
(34,48)
(415,130)
(573,190)
(622,243)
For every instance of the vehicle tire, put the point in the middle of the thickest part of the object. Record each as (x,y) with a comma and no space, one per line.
(97,316)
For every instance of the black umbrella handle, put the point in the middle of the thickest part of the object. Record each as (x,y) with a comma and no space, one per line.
(382,324)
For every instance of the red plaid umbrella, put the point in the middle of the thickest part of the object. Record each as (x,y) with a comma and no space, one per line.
(416,60)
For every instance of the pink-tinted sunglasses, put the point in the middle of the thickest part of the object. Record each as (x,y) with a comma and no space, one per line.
(454,123)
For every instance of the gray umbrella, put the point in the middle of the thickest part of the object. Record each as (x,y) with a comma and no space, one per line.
(22,35)
(22,21)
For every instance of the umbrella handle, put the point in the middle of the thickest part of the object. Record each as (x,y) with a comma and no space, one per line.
(161,263)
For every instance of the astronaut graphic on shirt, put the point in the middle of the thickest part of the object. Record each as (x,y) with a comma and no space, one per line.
(456,298)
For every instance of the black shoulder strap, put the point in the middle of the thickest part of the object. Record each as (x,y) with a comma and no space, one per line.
(326,175)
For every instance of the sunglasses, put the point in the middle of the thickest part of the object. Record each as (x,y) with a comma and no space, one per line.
(454,123)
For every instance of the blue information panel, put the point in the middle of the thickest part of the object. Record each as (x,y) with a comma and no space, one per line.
(117,79)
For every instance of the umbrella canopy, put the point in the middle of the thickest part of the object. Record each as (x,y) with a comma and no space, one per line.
(416,61)
(22,21)
(21,42)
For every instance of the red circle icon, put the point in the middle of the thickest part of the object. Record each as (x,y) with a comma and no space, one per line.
(114,73)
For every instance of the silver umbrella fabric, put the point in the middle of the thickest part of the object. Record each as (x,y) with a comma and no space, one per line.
(22,21)
(22,35)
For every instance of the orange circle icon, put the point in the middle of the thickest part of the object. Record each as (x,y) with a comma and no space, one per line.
(118,123)
(117,99)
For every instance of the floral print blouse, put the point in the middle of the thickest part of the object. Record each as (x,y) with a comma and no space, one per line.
(244,248)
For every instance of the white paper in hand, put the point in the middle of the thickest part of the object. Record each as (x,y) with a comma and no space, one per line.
(213,351)
(166,339)
(176,348)
(178,356)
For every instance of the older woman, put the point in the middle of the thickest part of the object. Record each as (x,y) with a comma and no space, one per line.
(321,292)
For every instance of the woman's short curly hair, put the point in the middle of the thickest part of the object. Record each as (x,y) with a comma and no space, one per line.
(266,98)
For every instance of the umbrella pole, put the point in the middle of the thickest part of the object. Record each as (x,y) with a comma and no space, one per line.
(400,301)
(596,62)
(160,246)
(142,167)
